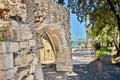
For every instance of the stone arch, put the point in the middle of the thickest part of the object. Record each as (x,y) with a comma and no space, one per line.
(50,45)
(48,38)
(56,37)
(55,26)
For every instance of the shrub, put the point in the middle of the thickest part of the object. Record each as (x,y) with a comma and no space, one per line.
(109,49)
(100,53)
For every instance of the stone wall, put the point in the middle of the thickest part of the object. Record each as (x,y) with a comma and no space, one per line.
(18,48)
(53,20)
(20,20)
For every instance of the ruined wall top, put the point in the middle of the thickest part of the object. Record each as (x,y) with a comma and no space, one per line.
(52,16)
(48,13)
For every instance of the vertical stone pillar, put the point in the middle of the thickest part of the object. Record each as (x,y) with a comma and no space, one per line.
(64,61)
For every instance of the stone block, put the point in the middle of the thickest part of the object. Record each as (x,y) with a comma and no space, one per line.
(38,72)
(32,42)
(18,60)
(35,61)
(32,69)
(22,73)
(29,77)
(2,75)
(6,61)
(15,28)
(2,60)
(13,47)
(25,32)
(9,74)
(9,61)
(24,51)
(24,45)
(15,69)
(2,47)
(27,59)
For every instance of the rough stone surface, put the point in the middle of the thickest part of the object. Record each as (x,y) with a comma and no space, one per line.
(6,61)
(27,59)
(29,77)
(2,65)
(2,75)
(18,60)
(24,45)
(9,74)
(13,47)
(2,47)
(25,32)
(54,22)
(9,61)
(23,25)
(22,73)
(32,43)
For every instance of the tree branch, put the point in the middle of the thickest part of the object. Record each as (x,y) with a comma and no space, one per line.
(111,6)
(115,43)
(115,12)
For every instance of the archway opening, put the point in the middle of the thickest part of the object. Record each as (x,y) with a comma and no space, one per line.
(47,49)
(47,54)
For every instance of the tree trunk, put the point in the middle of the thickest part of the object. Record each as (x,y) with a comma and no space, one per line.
(99,66)
(112,8)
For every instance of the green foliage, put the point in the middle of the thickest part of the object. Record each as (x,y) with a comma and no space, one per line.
(79,43)
(100,53)
(97,46)
(98,8)
(1,37)
(103,51)
(60,1)
(71,42)
(86,44)
(109,49)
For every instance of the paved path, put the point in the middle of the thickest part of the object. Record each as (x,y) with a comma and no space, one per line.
(82,57)
(89,72)
(85,68)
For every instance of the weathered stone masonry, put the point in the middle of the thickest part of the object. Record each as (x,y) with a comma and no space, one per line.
(20,20)
(53,20)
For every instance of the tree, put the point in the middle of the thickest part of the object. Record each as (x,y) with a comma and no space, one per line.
(101,12)
(60,1)
(71,42)
(79,43)
(86,45)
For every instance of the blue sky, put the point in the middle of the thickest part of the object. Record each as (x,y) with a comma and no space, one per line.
(77,29)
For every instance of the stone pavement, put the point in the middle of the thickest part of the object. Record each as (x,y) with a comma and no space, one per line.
(51,74)
(89,72)
(85,72)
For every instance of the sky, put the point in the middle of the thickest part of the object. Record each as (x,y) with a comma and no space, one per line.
(77,29)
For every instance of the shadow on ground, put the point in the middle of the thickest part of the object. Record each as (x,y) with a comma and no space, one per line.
(89,71)
(85,72)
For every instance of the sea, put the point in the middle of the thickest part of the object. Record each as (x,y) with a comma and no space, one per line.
(75,44)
